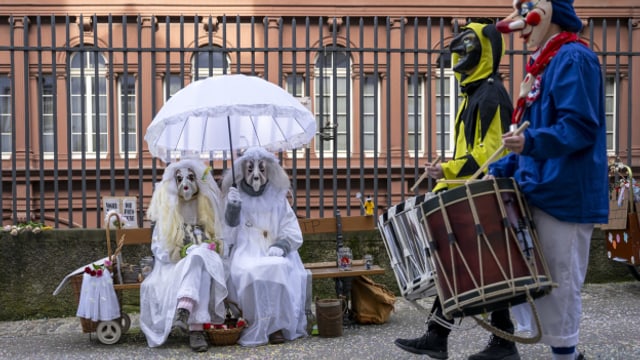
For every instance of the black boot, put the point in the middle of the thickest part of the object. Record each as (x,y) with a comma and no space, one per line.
(198,341)
(181,321)
(432,344)
(499,348)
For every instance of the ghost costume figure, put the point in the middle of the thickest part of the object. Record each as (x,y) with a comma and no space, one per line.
(266,275)
(187,285)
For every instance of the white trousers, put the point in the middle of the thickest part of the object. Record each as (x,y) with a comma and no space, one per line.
(566,249)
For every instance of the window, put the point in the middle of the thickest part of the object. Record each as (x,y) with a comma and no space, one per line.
(370,126)
(610,111)
(445,111)
(5,114)
(47,116)
(172,86)
(295,85)
(127,115)
(415,111)
(331,99)
(210,63)
(88,104)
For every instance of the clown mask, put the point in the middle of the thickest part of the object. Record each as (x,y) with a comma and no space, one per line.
(186,183)
(255,173)
(467,46)
(531,18)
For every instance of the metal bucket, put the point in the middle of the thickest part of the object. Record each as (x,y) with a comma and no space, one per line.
(329,317)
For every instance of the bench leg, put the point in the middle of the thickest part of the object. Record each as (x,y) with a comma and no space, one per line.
(311,318)
(343,291)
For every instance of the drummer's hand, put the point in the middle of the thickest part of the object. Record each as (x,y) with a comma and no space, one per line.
(434,171)
(514,143)
(488,177)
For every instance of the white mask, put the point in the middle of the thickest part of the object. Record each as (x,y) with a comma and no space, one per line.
(186,183)
(255,173)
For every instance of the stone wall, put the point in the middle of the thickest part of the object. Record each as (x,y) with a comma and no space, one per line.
(34,264)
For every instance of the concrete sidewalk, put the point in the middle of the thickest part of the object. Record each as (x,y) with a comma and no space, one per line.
(610,330)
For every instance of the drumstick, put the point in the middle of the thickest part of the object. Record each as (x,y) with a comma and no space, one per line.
(424,174)
(493,157)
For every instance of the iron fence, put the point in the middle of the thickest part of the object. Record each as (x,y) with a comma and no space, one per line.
(78,92)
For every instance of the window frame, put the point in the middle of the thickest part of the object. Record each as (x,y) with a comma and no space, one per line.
(89,73)
(341,73)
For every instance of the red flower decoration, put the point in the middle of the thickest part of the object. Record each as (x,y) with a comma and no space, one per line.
(99,272)
(206,326)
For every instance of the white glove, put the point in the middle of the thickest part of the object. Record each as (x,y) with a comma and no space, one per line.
(234,195)
(275,251)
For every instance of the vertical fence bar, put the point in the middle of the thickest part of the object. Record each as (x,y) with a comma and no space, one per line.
(111,106)
(307,84)
(40,84)
(376,112)
(630,28)
(68,54)
(56,158)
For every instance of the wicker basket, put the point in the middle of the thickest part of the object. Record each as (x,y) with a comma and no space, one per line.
(229,336)
(88,326)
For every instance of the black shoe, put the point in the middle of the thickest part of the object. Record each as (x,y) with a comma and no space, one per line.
(580,356)
(430,344)
(181,321)
(277,338)
(198,341)
(497,349)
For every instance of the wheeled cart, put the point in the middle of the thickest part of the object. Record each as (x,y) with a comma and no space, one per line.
(622,232)
(123,277)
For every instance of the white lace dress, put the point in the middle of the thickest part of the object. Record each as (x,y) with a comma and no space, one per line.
(270,290)
(199,276)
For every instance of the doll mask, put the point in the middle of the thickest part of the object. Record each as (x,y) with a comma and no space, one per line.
(186,183)
(531,18)
(255,173)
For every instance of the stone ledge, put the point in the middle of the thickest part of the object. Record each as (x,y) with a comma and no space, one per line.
(34,264)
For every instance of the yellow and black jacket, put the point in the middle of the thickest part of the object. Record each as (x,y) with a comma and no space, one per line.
(485,112)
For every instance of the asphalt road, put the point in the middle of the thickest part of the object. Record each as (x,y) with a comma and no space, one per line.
(610,330)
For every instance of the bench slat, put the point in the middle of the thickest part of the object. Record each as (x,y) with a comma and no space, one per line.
(334,272)
(325,269)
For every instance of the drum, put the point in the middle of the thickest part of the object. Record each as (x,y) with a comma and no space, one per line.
(408,248)
(485,248)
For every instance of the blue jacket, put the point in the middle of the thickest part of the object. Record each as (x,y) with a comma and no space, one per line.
(563,167)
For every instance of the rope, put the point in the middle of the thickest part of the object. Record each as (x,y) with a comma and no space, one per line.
(512,337)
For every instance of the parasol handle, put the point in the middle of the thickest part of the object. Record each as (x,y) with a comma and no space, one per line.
(495,155)
(424,174)
(233,172)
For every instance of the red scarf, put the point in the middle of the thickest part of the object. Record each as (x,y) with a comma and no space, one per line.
(536,67)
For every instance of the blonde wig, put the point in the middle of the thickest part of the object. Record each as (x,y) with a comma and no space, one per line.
(165,210)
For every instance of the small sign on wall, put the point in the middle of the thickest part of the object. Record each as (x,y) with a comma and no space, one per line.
(123,205)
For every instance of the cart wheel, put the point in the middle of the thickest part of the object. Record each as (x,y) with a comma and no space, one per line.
(125,322)
(635,271)
(109,332)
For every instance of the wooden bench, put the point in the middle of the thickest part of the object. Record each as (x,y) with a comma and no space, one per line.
(319,270)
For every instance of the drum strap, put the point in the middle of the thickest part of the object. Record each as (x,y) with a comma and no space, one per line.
(511,337)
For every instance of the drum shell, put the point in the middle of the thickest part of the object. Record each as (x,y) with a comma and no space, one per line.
(479,264)
(407,246)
